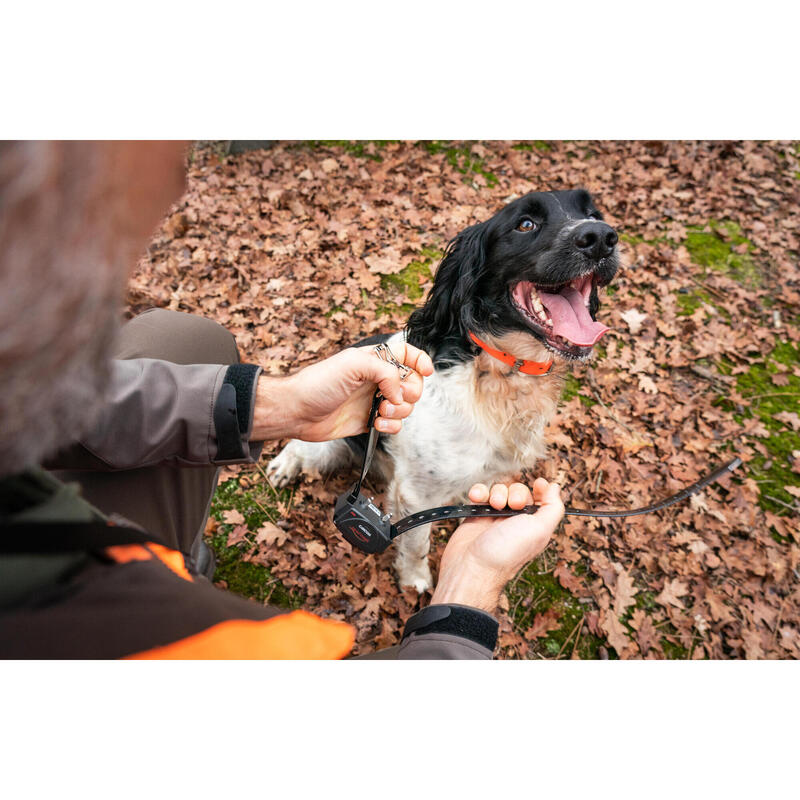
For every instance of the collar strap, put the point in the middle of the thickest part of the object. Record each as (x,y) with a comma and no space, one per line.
(519,365)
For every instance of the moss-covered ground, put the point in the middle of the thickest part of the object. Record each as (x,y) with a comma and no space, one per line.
(720,245)
(764,401)
(408,283)
(258,504)
(463,159)
(536,591)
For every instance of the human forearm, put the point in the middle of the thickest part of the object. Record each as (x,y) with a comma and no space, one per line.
(272,417)
(159,412)
(470,585)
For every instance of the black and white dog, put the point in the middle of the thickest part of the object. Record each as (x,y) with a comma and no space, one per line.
(513,302)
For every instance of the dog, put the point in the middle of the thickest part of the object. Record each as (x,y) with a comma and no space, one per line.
(513,303)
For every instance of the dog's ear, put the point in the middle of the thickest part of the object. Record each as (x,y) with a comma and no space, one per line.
(448,311)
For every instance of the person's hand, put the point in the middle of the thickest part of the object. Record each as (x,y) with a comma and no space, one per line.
(484,554)
(332,398)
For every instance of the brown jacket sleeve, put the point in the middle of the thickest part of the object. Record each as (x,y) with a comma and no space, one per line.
(444,646)
(449,631)
(158,412)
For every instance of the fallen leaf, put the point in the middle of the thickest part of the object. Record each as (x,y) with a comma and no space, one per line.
(233,516)
(269,533)
(543,623)
(316,549)
(790,418)
(646,384)
(634,320)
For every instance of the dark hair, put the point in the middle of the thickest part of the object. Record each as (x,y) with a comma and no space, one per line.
(441,326)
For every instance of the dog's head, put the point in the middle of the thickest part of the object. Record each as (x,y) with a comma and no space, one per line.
(534,267)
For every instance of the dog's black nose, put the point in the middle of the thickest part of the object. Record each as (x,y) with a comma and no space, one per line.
(595,239)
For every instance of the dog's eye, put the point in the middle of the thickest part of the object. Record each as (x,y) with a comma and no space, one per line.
(526,225)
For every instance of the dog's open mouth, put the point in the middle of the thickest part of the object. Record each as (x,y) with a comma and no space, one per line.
(560,314)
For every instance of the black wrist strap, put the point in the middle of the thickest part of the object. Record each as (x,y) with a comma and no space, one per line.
(457,620)
(233,410)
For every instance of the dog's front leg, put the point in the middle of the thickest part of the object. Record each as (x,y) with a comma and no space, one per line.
(412,548)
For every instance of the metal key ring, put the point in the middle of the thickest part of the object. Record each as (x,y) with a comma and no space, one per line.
(385,354)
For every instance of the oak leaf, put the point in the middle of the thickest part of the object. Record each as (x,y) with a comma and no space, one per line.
(543,623)
(269,533)
(233,516)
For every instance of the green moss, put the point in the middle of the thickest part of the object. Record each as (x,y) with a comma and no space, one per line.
(246,578)
(538,144)
(646,600)
(673,650)
(357,148)
(463,159)
(714,249)
(408,282)
(393,309)
(772,471)
(531,594)
(689,301)
(572,388)
(410,279)
(332,311)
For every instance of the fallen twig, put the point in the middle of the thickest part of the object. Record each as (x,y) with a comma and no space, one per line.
(578,638)
(576,629)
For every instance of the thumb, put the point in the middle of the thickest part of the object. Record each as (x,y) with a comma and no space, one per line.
(548,497)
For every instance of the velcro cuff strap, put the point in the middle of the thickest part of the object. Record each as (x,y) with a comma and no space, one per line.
(242,377)
(465,621)
(233,411)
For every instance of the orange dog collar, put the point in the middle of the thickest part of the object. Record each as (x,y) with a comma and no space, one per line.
(519,365)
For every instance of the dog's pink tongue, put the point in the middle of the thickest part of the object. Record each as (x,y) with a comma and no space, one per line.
(571,319)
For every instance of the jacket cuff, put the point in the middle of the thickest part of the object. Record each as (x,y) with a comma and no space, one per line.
(456,620)
(233,414)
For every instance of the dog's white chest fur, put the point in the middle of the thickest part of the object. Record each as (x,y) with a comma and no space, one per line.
(470,425)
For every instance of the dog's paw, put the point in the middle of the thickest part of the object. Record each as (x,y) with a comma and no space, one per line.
(418,578)
(284,468)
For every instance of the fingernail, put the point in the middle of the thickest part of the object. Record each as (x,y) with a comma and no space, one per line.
(388,410)
(382,424)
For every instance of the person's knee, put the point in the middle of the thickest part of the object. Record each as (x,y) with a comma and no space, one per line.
(178,337)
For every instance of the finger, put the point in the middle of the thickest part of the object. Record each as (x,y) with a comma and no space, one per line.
(540,486)
(387,376)
(519,496)
(388,425)
(395,411)
(413,357)
(479,493)
(498,497)
(412,387)
(551,507)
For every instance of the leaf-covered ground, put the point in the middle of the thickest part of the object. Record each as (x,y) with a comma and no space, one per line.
(302,249)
